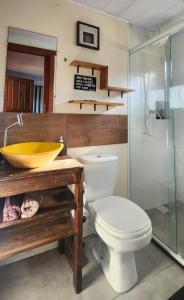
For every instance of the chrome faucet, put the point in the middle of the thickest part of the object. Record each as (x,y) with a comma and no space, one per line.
(155,111)
(19,122)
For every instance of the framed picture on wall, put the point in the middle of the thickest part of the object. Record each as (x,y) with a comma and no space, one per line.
(88,36)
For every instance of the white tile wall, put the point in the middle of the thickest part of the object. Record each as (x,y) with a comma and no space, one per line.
(151,157)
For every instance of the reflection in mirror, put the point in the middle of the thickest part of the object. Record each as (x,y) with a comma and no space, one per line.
(29,83)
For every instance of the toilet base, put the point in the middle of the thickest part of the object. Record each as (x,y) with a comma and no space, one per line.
(119,267)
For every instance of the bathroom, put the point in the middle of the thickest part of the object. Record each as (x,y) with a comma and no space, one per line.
(124,127)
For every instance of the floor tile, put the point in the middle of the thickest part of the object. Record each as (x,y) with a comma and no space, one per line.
(95,285)
(175,273)
(161,259)
(146,267)
(157,287)
(45,276)
(137,293)
(48,276)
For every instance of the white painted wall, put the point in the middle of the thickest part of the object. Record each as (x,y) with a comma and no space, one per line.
(137,36)
(58,18)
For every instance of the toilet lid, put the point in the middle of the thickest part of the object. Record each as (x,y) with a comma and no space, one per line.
(121,215)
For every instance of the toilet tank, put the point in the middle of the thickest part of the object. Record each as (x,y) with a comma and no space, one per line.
(99,175)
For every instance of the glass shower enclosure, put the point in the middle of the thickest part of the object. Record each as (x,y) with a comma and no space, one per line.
(156,138)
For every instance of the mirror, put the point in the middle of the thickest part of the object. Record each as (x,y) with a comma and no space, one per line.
(29,82)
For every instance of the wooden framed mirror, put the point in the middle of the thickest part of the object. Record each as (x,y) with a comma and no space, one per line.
(29,82)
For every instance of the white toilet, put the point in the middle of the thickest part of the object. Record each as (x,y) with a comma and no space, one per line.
(122,226)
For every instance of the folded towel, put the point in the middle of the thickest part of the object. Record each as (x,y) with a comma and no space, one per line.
(11,210)
(30,204)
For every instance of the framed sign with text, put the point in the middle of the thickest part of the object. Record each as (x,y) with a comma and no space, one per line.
(85,83)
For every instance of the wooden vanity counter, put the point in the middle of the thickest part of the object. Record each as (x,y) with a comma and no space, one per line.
(53,220)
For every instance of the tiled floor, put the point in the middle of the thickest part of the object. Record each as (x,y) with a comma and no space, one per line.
(47,276)
(164,224)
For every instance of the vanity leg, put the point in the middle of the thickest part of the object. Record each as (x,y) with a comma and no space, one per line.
(78,230)
(61,246)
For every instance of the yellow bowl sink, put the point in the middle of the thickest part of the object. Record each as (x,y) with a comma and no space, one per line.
(31,155)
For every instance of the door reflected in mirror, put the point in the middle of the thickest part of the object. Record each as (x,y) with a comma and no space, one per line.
(29,83)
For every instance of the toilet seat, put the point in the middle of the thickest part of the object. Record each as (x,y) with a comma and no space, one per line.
(121,217)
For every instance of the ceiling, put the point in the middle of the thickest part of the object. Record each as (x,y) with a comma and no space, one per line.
(148,14)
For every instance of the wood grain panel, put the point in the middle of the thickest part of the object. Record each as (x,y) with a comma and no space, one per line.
(96,130)
(37,127)
(104,77)
(78,130)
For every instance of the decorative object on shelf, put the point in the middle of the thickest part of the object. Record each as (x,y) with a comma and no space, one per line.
(103,76)
(64,150)
(85,83)
(11,210)
(95,103)
(88,36)
(31,204)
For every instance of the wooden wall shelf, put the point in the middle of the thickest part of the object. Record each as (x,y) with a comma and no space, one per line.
(87,65)
(53,220)
(103,76)
(117,89)
(96,103)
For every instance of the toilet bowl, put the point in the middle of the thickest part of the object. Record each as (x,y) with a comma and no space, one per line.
(121,225)
(124,228)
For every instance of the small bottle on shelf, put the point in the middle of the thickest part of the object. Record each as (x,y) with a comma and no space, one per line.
(63,151)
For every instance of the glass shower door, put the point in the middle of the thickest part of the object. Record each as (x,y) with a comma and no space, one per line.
(177,105)
(152,178)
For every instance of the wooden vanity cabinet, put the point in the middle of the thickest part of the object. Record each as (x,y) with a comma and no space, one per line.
(53,220)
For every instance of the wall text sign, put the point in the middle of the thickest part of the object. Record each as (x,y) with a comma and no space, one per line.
(85,83)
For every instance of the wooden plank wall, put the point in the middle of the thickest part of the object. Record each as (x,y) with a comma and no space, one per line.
(78,130)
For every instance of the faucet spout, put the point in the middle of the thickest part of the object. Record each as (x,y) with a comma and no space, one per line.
(19,122)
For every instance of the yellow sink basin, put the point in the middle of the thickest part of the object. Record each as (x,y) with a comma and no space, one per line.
(31,155)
